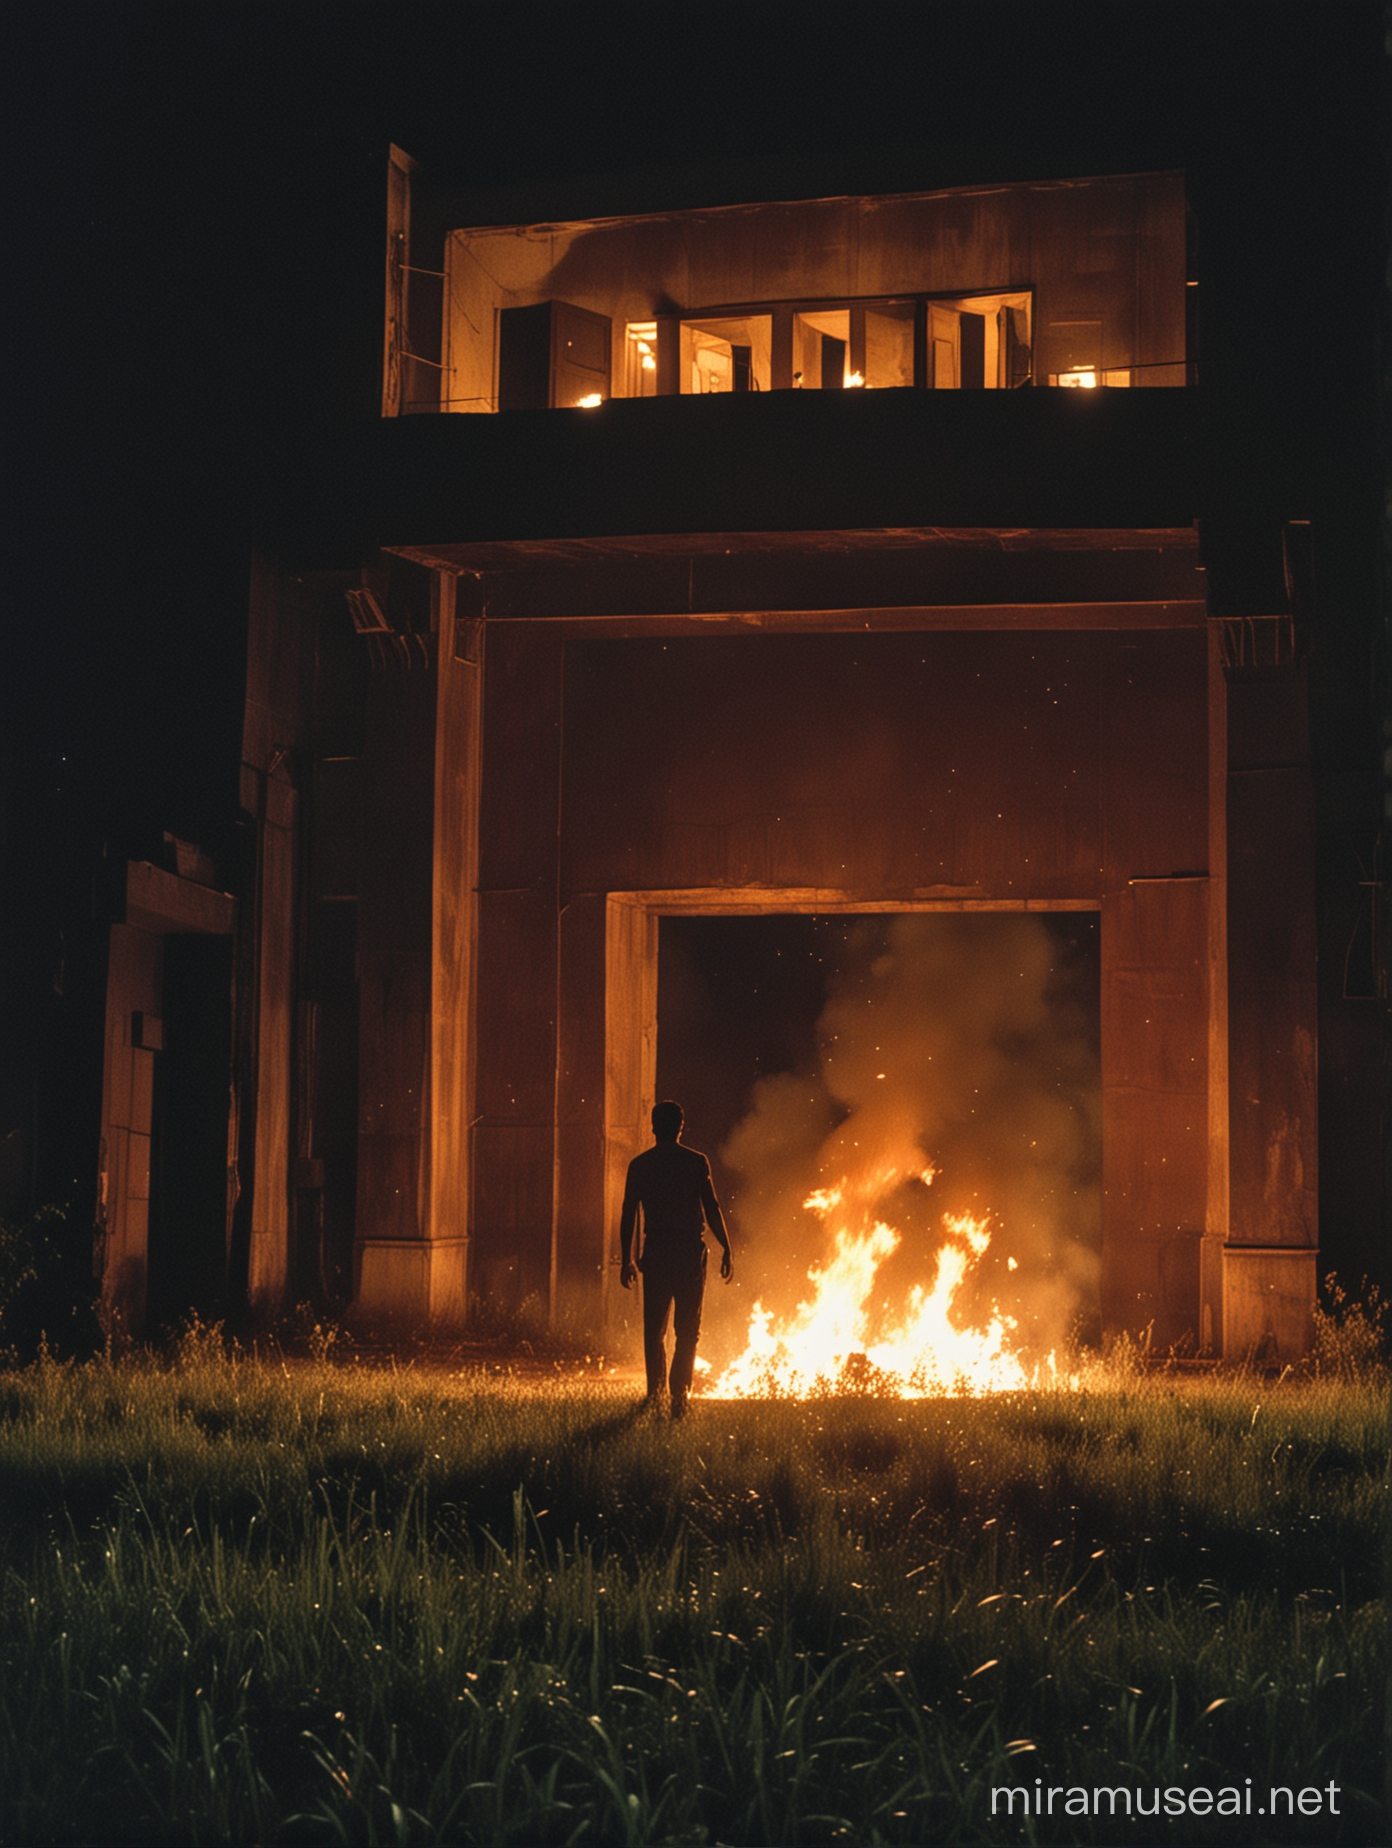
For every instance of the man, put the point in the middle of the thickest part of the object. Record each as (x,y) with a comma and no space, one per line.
(672,1185)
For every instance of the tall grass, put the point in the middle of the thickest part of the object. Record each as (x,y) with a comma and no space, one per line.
(255,1602)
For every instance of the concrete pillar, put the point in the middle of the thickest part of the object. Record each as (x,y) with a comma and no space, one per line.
(268,1255)
(1154,1106)
(416,948)
(1270,1259)
(133,1008)
(1154,901)
(515,1142)
(581,1238)
(1216,1215)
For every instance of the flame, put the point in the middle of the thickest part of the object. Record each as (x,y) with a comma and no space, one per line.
(835,1342)
(589,401)
(822,1200)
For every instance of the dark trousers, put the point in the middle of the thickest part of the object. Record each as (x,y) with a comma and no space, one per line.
(674,1281)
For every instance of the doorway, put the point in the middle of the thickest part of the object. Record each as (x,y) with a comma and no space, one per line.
(808,1050)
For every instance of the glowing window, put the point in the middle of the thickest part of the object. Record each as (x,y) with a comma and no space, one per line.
(640,359)
(864,344)
(979,341)
(1089,377)
(729,353)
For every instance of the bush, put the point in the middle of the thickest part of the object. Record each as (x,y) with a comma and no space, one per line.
(48,1293)
(1350,1332)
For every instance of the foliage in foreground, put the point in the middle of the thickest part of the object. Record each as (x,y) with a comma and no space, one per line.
(247,1602)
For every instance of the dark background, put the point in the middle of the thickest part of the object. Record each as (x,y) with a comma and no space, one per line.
(195,204)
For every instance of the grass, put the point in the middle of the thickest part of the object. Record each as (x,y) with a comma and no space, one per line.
(250,1601)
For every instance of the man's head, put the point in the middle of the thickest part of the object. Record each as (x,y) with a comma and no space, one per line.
(667,1120)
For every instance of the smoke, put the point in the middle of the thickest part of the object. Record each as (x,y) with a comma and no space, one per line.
(964,1045)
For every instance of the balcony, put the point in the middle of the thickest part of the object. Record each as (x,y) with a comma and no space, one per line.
(756,462)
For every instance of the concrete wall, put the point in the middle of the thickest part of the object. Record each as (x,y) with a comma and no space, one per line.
(1009,766)
(541,781)
(1105,259)
(792,771)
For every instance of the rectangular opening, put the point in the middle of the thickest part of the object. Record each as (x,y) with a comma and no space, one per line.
(814,1050)
(980,342)
(726,353)
(640,359)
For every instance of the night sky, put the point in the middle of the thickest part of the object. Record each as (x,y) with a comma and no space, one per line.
(195,205)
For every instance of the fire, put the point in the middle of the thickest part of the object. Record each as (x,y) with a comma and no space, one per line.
(834,1342)
(822,1199)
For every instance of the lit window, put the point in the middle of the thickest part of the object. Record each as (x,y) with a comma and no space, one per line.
(862,345)
(979,341)
(728,353)
(1089,377)
(640,359)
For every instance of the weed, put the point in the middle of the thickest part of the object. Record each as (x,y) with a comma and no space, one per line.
(1351,1333)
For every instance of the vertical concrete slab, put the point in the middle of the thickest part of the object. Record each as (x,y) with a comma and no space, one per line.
(1271,1003)
(458,758)
(417,947)
(395,886)
(123,1183)
(581,1240)
(1154,1106)
(1270,1260)
(268,1256)
(515,1142)
(1216,1220)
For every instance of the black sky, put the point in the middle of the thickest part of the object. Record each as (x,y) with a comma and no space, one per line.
(194,200)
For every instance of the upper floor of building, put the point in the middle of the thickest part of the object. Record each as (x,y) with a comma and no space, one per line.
(1076,284)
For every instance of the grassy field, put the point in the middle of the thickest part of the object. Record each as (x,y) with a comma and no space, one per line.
(250,1601)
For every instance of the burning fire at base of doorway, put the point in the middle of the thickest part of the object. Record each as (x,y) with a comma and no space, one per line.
(836,1343)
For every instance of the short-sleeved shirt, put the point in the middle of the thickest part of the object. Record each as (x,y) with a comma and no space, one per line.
(672,1184)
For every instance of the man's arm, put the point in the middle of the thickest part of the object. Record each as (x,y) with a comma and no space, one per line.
(628,1222)
(715,1219)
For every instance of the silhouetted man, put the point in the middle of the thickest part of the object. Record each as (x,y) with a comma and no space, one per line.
(672,1184)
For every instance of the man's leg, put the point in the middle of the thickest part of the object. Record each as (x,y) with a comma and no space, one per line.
(657,1302)
(688,1288)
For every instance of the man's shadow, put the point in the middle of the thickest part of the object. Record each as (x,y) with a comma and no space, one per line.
(615,1424)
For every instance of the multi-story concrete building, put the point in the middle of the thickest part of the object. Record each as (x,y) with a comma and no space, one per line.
(814,555)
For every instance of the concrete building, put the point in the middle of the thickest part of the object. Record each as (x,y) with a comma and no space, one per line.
(816,555)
